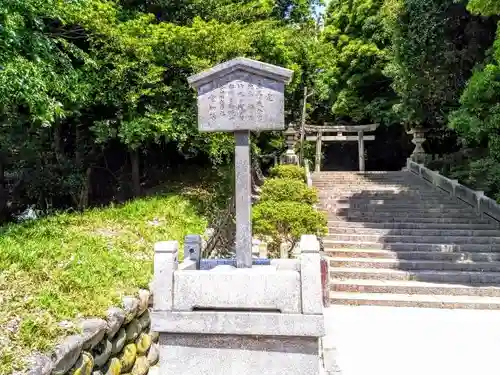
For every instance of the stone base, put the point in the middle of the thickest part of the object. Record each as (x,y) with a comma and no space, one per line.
(198,354)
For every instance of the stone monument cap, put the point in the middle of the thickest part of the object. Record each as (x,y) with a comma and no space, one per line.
(241,95)
(273,72)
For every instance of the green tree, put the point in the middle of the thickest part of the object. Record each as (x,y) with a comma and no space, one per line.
(87,81)
(351,60)
(478,118)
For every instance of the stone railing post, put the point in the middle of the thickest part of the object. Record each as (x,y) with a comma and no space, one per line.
(454,184)
(192,252)
(310,274)
(479,201)
(165,264)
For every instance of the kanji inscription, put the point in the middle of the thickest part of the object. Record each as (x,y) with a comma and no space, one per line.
(241,101)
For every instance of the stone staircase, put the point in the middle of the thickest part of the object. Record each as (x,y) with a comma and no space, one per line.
(394,240)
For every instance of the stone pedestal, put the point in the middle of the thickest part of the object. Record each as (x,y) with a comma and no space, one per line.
(289,157)
(254,321)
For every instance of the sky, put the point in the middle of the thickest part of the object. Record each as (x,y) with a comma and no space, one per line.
(321,9)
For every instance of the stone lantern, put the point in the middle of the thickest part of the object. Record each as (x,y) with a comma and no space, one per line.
(289,157)
(418,154)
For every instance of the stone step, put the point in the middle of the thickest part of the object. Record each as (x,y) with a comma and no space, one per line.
(387,178)
(366,174)
(370,186)
(367,220)
(368,177)
(380,193)
(412,287)
(398,246)
(415,232)
(376,190)
(412,300)
(398,211)
(411,265)
(414,255)
(402,203)
(381,178)
(393,198)
(451,277)
(376,182)
(479,224)
(390,238)
(442,202)
(395,206)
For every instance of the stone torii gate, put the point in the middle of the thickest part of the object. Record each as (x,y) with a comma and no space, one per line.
(320,137)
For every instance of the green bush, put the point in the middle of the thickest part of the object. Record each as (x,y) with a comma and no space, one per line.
(285,222)
(288,171)
(288,189)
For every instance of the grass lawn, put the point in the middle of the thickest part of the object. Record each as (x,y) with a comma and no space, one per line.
(75,265)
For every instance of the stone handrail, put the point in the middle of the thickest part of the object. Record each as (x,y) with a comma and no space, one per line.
(480,202)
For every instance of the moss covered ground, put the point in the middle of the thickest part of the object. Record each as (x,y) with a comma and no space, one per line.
(73,265)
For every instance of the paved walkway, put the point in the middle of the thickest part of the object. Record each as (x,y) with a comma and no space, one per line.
(372,340)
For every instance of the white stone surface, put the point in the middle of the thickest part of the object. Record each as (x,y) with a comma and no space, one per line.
(365,340)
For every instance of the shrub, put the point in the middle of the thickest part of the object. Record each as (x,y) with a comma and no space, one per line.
(288,171)
(286,221)
(288,189)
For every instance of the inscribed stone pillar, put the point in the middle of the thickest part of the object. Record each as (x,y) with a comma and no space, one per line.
(240,96)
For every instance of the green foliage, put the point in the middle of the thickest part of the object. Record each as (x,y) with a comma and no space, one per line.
(286,221)
(478,118)
(288,171)
(484,7)
(288,189)
(285,210)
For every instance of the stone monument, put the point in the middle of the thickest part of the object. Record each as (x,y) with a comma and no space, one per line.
(219,319)
(240,96)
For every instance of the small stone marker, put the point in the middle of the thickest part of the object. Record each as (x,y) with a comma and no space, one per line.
(239,96)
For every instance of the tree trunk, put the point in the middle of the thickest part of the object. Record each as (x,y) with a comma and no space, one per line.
(84,194)
(79,139)
(136,173)
(3,192)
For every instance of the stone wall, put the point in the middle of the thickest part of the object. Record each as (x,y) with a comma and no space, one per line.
(120,344)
